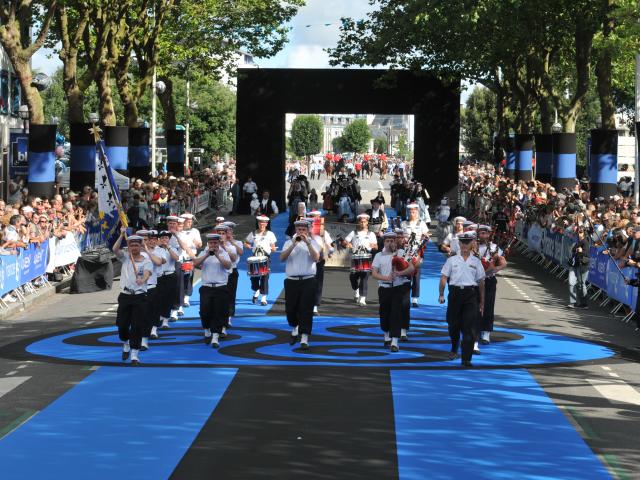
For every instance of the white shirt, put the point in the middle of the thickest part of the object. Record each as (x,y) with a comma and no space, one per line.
(322,242)
(127,276)
(233,244)
(152,281)
(11,234)
(173,242)
(416,226)
(170,265)
(264,240)
(493,248)
(212,269)
(382,263)
(299,262)
(463,273)
(453,242)
(190,237)
(250,187)
(363,238)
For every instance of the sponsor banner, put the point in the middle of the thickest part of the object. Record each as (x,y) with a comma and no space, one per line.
(534,237)
(16,270)
(616,288)
(202,202)
(598,267)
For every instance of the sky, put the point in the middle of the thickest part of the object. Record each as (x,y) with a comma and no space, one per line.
(309,37)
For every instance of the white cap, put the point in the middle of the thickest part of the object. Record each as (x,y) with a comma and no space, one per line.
(134,238)
(222,226)
(230,224)
(219,219)
(459,220)
(172,218)
(27,209)
(301,223)
(364,215)
(180,220)
(412,205)
(262,218)
(213,236)
(142,233)
(390,235)
(314,213)
(187,216)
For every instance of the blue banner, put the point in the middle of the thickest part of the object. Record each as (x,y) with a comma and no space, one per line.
(29,264)
(598,267)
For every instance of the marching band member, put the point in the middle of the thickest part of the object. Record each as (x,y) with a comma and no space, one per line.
(360,241)
(192,238)
(301,253)
(263,243)
(492,258)
(233,277)
(219,220)
(214,295)
(417,231)
(378,220)
(157,257)
(167,283)
(230,248)
(132,301)
(176,225)
(393,290)
(450,245)
(465,275)
(323,239)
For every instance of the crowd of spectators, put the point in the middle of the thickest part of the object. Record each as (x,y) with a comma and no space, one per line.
(27,219)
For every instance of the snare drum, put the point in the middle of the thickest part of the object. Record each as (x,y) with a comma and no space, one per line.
(186,267)
(257,266)
(361,263)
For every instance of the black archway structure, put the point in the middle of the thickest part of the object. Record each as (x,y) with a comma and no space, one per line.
(265,96)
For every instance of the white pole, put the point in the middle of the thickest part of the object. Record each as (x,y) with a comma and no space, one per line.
(153,124)
(186,136)
(637,168)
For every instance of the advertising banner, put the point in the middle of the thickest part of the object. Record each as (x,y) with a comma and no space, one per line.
(16,270)
(18,154)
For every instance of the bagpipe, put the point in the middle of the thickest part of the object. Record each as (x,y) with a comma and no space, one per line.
(413,254)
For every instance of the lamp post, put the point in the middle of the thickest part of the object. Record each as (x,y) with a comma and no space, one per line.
(94,117)
(158,87)
(23,113)
(556,127)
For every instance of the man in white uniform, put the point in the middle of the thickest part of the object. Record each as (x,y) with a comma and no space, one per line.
(361,241)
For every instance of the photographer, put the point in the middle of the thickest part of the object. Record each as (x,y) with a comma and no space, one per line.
(579,270)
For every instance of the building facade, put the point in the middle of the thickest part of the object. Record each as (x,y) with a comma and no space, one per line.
(10,99)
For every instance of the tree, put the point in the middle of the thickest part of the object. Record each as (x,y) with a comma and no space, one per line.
(403,147)
(307,135)
(338,145)
(380,145)
(356,136)
(479,123)
(16,21)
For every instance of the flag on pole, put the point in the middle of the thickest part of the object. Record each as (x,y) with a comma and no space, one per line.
(109,206)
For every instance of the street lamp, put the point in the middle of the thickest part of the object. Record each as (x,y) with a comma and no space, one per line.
(556,127)
(94,117)
(23,113)
(158,88)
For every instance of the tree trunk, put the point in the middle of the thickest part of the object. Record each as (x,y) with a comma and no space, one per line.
(128,101)
(168,106)
(107,112)
(603,75)
(30,94)
(546,121)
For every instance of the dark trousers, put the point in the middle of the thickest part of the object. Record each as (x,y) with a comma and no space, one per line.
(214,307)
(178,293)
(390,318)
(490,284)
(638,311)
(187,279)
(260,283)
(153,310)
(232,285)
(403,304)
(415,285)
(299,296)
(359,281)
(166,292)
(319,281)
(462,315)
(131,318)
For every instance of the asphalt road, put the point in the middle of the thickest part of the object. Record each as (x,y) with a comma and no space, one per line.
(600,398)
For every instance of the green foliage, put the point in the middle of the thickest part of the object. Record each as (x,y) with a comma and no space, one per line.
(478,124)
(356,136)
(380,145)
(338,145)
(306,135)
(402,147)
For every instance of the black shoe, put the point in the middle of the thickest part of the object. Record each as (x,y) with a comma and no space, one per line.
(453,356)
(207,340)
(466,364)
(144,349)
(125,356)
(387,343)
(583,306)
(395,348)
(304,346)
(476,352)
(254,300)
(484,342)
(223,335)
(404,338)
(293,339)
(135,363)
(154,336)
(215,344)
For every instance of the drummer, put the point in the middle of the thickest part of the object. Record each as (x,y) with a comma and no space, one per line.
(185,265)
(263,243)
(416,231)
(361,242)
(323,239)
(192,238)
